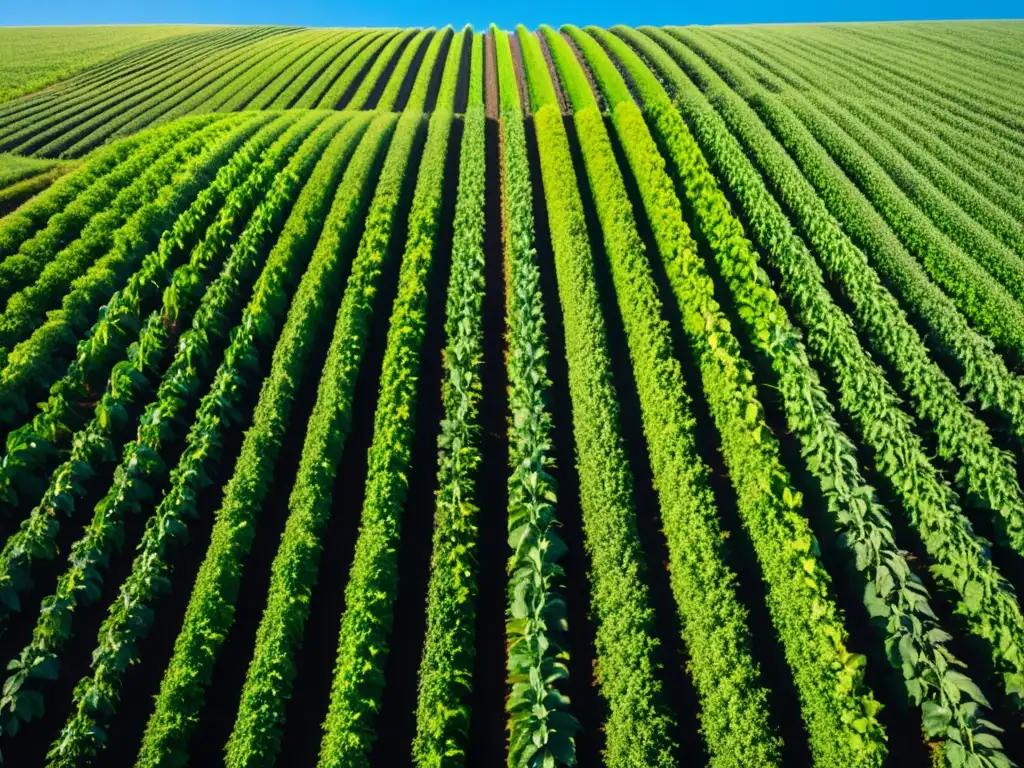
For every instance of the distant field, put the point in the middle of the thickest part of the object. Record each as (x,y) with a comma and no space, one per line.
(640,397)
(34,57)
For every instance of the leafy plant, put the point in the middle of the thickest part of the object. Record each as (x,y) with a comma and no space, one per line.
(639,725)
(130,615)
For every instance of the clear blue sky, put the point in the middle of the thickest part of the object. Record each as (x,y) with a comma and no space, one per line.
(505,13)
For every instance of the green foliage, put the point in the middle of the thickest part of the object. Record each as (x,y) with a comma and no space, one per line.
(567,68)
(446,92)
(131,614)
(538,78)
(35,536)
(879,171)
(963,562)
(638,724)
(446,672)
(968,184)
(508,90)
(35,57)
(316,94)
(541,728)
(734,702)
(389,96)
(476,72)
(69,227)
(304,73)
(211,606)
(837,708)
(255,739)
(110,245)
(639,727)
(983,301)
(14,168)
(892,592)
(89,557)
(287,77)
(20,226)
(363,639)
(406,39)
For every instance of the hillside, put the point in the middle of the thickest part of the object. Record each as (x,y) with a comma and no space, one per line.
(628,397)
(35,57)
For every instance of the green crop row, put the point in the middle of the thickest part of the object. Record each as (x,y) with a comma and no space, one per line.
(19,192)
(30,367)
(37,130)
(357,66)
(639,727)
(982,369)
(75,396)
(113,237)
(159,108)
(284,78)
(947,242)
(250,67)
(734,701)
(373,579)
(94,297)
(985,303)
(369,81)
(34,538)
(276,58)
(64,226)
(225,79)
(314,95)
(89,556)
(446,669)
(396,79)
(425,73)
(70,94)
(131,614)
(904,75)
(910,165)
(211,605)
(541,726)
(56,104)
(21,225)
(93,445)
(67,141)
(954,130)
(311,70)
(838,710)
(949,699)
(255,739)
(987,474)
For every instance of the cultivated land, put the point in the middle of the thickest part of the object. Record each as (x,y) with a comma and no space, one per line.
(34,57)
(627,397)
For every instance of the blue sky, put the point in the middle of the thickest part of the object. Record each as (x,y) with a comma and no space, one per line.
(480,12)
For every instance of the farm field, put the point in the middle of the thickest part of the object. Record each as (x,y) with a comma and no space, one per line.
(35,57)
(630,397)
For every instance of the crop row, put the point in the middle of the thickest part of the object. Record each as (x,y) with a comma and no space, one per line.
(248,68)
(256,736)
(839,713)
(364,635)
(892,590)
(639,724)
(141,469)
(541,726)
(80,582)
(446,670)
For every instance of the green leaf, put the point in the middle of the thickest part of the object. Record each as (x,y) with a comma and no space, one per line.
(936,718)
